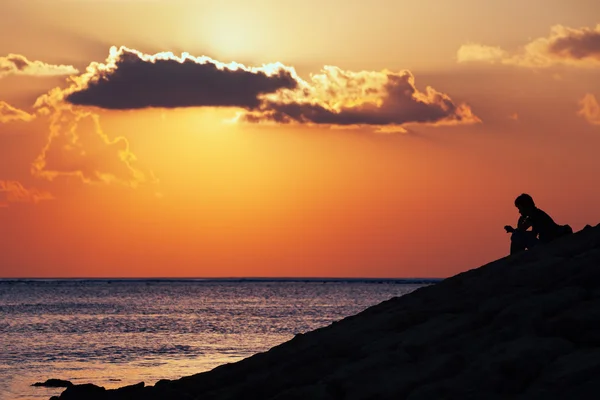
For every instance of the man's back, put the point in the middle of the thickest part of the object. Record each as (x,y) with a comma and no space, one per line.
(544,225)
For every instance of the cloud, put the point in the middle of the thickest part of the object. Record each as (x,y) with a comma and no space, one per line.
(9,113)
(577,47)
(16,64)
(576,44)
(478,52)
(590,109)
(15,192)
(78,147)
(338,97)
(130,79)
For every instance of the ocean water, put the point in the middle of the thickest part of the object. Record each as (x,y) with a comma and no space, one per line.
(119,332)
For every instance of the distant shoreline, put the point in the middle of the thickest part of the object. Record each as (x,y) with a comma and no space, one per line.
(228,280)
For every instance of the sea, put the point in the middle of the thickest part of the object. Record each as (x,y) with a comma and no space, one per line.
(117,332)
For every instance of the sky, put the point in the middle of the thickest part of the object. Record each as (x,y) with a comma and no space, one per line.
(290,139)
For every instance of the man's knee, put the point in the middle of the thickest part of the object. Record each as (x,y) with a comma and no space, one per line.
(518,236)
(525,239)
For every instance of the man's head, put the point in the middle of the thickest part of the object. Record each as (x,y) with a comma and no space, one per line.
(525,204)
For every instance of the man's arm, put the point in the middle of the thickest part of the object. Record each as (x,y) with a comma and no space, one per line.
(524,223)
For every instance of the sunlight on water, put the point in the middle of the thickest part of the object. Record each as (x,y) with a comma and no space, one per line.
(116,333)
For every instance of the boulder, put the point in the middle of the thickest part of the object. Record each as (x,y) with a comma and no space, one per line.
(54,383)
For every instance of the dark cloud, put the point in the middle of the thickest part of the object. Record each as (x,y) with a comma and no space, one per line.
(132,80)
(389,99)
(577,44)
(577,47)
(19,62)
(129,79)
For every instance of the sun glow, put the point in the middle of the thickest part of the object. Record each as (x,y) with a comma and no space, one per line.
(235,34)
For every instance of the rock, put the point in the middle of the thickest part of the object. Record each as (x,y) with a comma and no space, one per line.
(86,391)
(54,383)
(522,327)
(577,371)
(131,390)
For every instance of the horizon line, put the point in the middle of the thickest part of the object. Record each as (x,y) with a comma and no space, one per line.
(220,278)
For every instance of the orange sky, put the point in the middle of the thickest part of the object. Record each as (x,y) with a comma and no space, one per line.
(334,139)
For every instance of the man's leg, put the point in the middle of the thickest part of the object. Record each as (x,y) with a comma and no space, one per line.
(517,242)
(530,240)
(520,241)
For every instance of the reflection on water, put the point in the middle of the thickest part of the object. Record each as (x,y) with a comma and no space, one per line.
(121,332)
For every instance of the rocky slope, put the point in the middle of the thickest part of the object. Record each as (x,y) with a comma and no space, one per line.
(522,327)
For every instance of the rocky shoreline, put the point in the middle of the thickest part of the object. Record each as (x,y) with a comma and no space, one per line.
(522,327)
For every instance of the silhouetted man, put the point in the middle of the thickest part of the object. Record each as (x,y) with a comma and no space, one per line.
(543,227)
